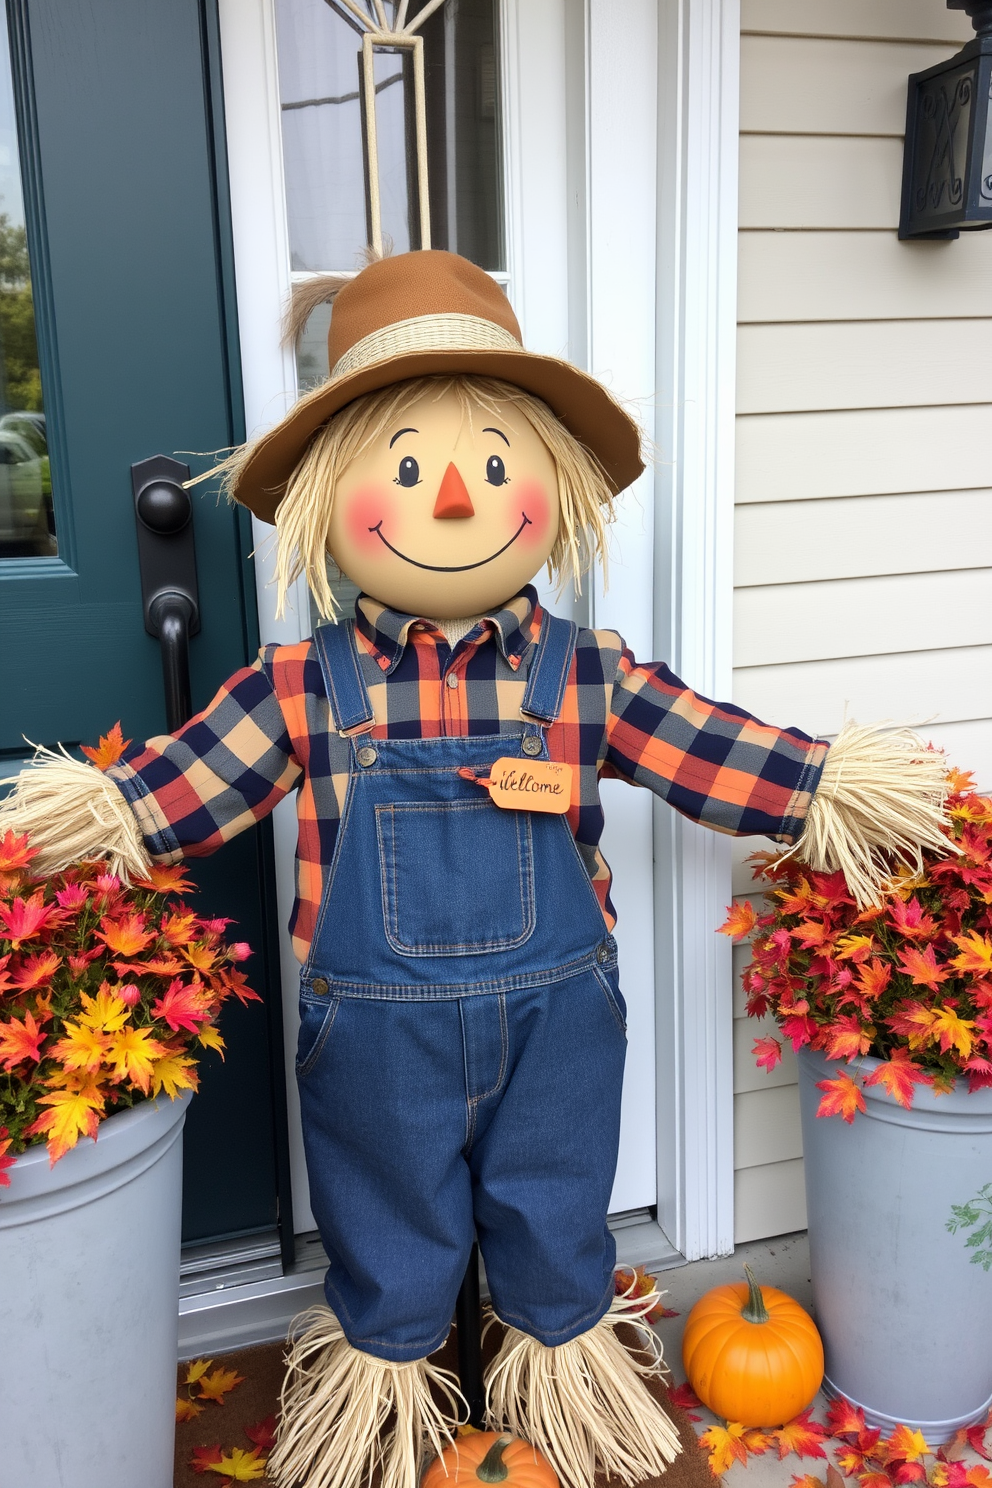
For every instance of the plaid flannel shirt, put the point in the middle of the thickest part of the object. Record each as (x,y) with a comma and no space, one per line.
(268,731)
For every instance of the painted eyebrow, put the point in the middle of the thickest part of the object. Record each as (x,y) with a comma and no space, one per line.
(400,434)
(500,433)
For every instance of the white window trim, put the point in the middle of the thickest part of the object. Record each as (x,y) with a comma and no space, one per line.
(695,309)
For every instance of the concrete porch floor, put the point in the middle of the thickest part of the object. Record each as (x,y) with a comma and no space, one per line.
(782,1263)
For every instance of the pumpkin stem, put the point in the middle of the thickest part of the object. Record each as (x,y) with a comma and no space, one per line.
(492,1468)
(754,1310)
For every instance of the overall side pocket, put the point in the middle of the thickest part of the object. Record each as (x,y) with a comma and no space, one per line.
(316,1022)
(610,983)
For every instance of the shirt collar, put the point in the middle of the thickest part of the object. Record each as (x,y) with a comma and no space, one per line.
(387,631)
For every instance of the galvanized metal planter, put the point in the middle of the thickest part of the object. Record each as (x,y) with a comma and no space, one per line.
(89,1286)
(905,1317)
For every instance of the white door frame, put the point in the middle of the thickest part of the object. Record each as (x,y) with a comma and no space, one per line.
(666,321)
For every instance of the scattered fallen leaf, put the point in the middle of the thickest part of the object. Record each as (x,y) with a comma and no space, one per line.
(686,1397)
(263,1433)
(203,1458)
(220,1383)
(725,1445)
(802,1436)
(187,1410)
(240,1466)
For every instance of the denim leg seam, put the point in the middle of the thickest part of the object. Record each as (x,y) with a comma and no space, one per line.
(595,1312)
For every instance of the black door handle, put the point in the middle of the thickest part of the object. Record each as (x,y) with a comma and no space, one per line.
(167,561)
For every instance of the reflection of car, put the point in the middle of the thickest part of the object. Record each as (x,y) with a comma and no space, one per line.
(26,522)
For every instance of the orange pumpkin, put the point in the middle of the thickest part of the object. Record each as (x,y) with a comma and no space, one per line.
(752,1354)
(490,1457)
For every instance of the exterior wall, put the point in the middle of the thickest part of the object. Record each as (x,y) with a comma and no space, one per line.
(863,532)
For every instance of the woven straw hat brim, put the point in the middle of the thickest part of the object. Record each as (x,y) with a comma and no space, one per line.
(582,404)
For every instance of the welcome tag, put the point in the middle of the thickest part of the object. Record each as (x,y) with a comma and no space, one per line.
(530,785)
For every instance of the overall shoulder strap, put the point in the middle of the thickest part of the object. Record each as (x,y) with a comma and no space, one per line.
(337,652)
(549,668)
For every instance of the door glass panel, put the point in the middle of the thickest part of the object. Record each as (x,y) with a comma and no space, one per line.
(27,525)
(319,78)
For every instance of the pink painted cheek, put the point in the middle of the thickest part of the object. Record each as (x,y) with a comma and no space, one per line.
(531,498)
(365,509)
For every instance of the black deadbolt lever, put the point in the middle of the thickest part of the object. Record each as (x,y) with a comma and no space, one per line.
(167,560)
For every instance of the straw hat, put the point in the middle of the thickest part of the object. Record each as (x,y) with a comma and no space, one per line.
(424,313)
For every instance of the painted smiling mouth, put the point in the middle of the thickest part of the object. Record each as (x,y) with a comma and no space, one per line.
(454,568)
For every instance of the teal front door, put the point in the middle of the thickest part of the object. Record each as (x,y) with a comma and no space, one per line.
(113,109)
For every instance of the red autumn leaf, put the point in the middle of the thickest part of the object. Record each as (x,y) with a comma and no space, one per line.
(808,1480)
(798,1029)
(909,919)
(898,1075)
(686,1397)
(921,967)
(20,1040)
(14,851)
(203,1458)
(5,1161)
(218,1383)
(802,1436)
(25,918)
(874,1479)
(906,1445)
(975,1436)
(109,749)
(812,933)
(182,1007)
(874,978)
(166,880)
(907,1472)
(263,1433)
(35,971)
(846,1038)
(126,936)
(767,1053)
(841,1097)
(740,921)
(911,1020)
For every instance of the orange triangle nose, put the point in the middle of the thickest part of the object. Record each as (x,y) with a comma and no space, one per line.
(453,499)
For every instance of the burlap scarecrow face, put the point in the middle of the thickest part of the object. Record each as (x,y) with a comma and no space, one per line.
(448,513)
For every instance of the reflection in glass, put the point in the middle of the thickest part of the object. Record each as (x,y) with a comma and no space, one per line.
(319,73)
(27,526)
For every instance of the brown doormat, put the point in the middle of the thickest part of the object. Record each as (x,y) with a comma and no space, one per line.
(252,1402)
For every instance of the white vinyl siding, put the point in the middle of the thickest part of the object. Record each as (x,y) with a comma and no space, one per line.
(864,480)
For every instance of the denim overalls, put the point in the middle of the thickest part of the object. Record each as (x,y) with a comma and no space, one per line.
(462,1040)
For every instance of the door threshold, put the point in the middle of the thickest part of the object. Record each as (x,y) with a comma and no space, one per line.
(228,1305)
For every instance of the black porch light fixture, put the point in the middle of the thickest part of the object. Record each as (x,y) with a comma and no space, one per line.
(947,166)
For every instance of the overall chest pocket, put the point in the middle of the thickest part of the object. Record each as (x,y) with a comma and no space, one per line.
(457,877)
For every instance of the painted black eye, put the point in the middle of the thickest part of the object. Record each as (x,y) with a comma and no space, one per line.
(409,472)
(495,471)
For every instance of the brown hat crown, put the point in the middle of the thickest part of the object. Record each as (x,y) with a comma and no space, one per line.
(412,286)
(424,314)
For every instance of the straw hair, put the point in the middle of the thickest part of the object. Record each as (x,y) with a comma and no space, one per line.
(584,1404)
(348,1419)
(303,516)
(72,811)
(880,802)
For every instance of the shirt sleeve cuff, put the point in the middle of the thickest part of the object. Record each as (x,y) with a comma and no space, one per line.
(161,841)
(794,819)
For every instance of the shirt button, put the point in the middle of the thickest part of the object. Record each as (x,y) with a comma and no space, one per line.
(451,680)
(320,986)
(602,955)
(531,745)
(367,755)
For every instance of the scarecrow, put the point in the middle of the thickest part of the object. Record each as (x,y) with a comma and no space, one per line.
(463,1032)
